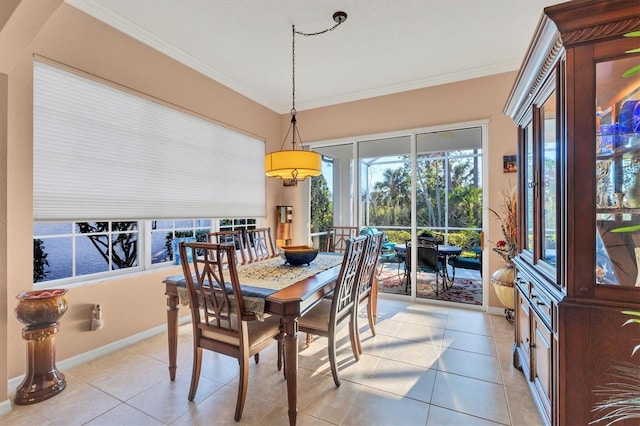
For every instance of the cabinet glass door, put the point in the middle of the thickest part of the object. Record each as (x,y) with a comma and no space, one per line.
(530,187)
(549,180)
(617,170)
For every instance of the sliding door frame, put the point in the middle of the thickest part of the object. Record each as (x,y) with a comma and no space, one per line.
(355,185)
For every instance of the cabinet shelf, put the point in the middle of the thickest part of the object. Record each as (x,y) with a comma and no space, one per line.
(618,152)
(618,211)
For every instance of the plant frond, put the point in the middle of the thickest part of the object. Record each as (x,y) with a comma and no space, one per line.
(622,397)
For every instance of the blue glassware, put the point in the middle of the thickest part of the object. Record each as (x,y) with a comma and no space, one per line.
(608,138)
(626,117)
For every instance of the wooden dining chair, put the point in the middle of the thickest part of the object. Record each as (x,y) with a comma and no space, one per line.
(325,318)
(220,322)
(259,243)
(337,237)
(367,280)
(236,238)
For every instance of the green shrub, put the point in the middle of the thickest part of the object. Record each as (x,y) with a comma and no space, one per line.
(466,239)
(399,237)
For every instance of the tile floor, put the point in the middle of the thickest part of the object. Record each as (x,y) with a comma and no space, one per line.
(427,365)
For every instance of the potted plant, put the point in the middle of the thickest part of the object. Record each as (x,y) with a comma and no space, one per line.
(622,397)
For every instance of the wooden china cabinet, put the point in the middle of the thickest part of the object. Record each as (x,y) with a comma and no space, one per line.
(576,102)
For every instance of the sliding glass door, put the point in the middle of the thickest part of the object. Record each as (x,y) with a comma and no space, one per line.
(385,203)
(449,209)
(408,185)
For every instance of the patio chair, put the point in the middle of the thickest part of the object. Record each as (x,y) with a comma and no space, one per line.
(473,262)
(429,260)
(466,262)
(389,254)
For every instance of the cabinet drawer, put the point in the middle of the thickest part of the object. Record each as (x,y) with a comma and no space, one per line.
(542,304)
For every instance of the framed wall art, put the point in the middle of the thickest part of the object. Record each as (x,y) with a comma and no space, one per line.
(509,164)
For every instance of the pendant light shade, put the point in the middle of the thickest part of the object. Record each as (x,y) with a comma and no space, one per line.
(296,164)
(293,164)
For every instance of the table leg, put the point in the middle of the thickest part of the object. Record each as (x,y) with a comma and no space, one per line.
(291,365)
(172,333)
(448,282)
(407,279)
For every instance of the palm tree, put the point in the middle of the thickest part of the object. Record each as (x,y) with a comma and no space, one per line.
(431,191)
(393,195)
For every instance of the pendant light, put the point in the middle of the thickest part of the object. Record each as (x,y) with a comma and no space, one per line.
(296,164)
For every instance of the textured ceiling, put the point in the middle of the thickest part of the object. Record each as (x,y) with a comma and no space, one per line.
(385,46)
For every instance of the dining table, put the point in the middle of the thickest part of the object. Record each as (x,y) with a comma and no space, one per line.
(270,287)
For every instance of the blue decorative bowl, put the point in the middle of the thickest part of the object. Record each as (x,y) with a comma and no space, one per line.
(299,255)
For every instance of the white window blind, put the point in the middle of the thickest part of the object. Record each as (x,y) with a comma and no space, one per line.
(103,153)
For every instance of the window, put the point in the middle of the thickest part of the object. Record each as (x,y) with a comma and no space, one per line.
(69,250)
(106,152)
(164,231)
(236,224)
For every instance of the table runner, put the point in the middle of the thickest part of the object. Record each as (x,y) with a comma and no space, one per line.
(260,279)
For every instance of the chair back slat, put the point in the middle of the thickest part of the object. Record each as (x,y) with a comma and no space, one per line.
(337,237)
(236,238)
(211,279)
(259,243)
(369,262)
(347,283)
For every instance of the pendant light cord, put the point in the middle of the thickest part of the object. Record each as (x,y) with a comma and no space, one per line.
(339,17)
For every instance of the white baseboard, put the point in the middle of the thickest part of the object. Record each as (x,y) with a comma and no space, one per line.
(495,311)
(65,364)
(5,407)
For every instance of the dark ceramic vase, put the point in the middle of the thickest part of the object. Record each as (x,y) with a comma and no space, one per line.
(41,308)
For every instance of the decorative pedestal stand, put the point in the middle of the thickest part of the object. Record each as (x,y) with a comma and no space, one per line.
(40,311)
(42,380)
